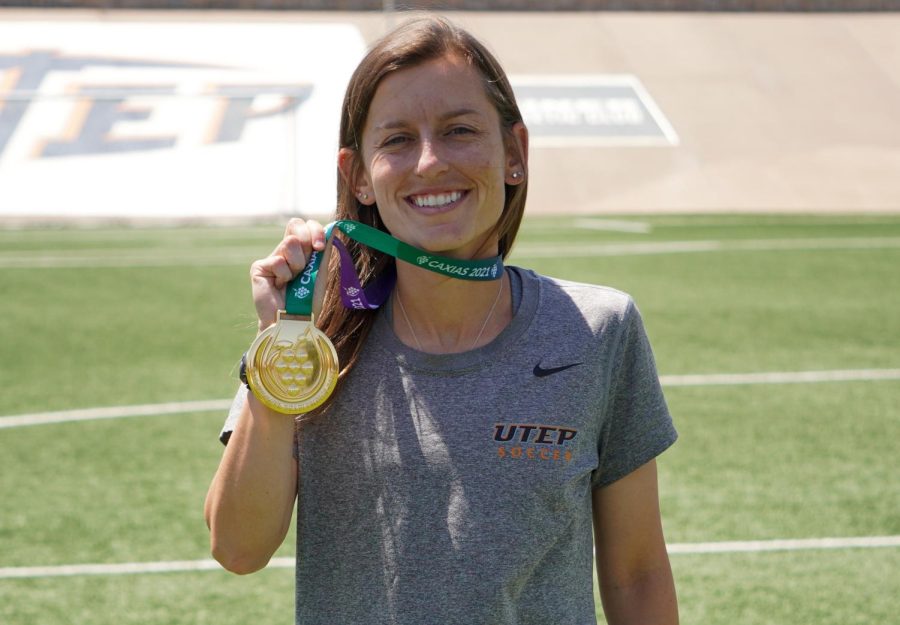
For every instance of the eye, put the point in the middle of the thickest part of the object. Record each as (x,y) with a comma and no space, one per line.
(461,130)
(394,140)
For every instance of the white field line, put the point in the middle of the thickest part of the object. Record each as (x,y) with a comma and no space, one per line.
(562,250)
(178,566)
(164,257)
(222,405)
(115,412)
(796,544)
(125,568)
(781,377)
(612,225)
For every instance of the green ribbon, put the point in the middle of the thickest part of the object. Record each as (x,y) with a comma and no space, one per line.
(299,294)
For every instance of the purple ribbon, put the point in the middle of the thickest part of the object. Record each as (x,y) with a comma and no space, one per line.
(353,295)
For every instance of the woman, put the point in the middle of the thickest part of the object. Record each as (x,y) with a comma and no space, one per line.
(480,430)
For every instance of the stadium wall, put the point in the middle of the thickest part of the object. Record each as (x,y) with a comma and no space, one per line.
(476,5)
(629,112)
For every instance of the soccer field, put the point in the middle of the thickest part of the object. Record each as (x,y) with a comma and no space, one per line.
(777,338)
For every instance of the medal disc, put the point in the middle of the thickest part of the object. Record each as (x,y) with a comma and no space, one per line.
(292,366)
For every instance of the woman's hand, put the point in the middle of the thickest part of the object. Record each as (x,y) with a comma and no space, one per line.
(269,276)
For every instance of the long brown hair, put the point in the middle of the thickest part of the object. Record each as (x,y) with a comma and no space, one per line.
(413,42)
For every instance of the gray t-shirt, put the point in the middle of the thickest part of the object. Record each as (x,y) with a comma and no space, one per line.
(456,489)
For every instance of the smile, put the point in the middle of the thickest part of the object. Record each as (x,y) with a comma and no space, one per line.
(435,200)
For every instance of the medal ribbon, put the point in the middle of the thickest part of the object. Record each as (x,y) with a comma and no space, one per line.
(299,294)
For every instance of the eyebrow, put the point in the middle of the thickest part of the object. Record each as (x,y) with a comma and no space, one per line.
(397,123)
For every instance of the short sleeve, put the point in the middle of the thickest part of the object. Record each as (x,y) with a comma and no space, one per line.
(637,425)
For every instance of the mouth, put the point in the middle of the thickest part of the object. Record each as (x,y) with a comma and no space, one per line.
(436,202)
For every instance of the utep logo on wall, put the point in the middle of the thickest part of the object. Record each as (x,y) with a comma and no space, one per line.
(144,119)
(91,112)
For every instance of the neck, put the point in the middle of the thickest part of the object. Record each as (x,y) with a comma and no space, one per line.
(446,315)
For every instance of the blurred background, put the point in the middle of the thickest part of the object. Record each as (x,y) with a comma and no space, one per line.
(733,164)
(740,105)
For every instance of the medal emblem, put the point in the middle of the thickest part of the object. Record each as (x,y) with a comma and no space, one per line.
(292,366)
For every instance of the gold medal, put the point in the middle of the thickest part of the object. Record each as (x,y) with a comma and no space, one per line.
(292,366)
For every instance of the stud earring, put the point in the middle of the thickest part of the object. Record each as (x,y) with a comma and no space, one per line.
(364,196)
(516,175)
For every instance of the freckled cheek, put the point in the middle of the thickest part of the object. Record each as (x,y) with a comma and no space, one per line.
(482,152)
(490,171)
(486,165)
(385,172)
(477,161)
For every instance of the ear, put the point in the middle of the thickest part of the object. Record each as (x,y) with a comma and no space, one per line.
(516,154)
(355,176)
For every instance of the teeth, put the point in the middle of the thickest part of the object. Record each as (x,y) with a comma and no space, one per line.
(440,199)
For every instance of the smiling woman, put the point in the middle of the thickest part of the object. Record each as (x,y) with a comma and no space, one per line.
(436,159)
(486,419)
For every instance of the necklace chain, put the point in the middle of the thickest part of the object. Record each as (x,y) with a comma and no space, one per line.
(480,332)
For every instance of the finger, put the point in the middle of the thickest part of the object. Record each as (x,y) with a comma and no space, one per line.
(294,251)
(301,239)
(273,270)
(317,234)
(297,244)
(294,224)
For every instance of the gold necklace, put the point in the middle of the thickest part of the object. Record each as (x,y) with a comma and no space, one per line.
(480,332)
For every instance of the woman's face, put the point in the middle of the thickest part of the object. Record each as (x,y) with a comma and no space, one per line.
(435,159)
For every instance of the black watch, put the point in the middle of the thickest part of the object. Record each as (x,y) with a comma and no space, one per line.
(242,372)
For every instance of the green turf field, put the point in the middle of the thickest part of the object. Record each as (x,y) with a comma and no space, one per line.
(102,317)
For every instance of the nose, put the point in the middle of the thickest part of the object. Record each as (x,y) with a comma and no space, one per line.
(431,161)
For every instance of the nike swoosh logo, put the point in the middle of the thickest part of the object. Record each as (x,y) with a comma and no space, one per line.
(541,372)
